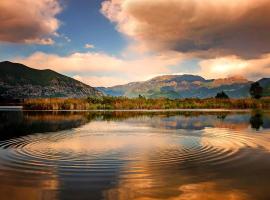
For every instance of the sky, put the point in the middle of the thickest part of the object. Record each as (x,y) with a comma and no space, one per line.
(111,42)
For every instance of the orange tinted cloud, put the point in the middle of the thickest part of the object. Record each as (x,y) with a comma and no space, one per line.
(97,81)
(28,21)
(233,65)
(226,27)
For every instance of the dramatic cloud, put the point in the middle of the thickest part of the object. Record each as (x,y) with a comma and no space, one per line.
(29,21)
(207,27)
(103,68)
(232,65)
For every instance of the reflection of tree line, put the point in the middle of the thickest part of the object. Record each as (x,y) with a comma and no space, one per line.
(14,124)
(256,119)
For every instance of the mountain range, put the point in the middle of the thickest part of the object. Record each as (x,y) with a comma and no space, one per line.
(186,86)
(19,81)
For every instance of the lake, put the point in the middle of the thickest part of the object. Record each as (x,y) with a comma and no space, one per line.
(186,155)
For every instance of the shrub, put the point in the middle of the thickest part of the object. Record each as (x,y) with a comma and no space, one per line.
(222,95)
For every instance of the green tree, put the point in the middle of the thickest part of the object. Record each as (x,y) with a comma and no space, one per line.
(222,95)
(255,90)
(141,96)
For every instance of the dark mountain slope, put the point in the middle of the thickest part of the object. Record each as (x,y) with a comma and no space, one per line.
(20,81)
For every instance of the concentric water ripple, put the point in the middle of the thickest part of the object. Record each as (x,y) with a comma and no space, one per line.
(38,153)
(105,154)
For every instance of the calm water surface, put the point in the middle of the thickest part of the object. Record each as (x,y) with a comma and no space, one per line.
(133,155)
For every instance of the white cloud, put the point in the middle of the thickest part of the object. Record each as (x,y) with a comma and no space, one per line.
(89,46)
(90,64)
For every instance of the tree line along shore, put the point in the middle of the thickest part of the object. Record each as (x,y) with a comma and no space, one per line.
(123,103)
(221,101)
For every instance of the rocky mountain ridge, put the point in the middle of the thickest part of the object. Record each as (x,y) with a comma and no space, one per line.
(186,86)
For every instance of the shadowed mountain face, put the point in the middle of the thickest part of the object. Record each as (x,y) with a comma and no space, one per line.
(186,86)
(20,81)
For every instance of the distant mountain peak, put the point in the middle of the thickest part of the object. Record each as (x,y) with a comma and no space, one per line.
(183,77)
(183,86)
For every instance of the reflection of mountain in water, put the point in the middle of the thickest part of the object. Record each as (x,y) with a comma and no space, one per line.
(200,121)
(204,121)
(15,124)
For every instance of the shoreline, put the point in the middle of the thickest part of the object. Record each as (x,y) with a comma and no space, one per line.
(122,104)
(141,105)
(20,108)
(3,108)
(151,110)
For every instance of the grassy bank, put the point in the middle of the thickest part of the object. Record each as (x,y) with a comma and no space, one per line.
(120,103)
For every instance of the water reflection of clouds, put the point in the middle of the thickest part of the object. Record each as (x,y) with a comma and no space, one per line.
(209,191)
(148,157)
(14,124)
(199,122)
